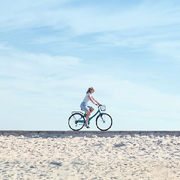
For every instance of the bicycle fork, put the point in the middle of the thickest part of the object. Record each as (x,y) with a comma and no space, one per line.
(102,118)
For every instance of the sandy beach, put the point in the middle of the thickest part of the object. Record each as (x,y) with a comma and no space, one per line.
(90,155)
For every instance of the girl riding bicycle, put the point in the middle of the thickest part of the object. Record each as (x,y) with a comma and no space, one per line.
(88,109)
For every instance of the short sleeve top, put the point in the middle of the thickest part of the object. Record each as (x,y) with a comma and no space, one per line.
(86,98)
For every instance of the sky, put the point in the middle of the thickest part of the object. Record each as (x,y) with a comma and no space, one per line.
(52,51)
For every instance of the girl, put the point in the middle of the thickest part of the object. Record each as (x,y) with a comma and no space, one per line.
(88,109)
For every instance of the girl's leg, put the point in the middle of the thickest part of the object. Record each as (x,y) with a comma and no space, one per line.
(87,117)
(88,114)
(91,110)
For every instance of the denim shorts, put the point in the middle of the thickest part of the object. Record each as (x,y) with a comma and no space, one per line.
(84,107)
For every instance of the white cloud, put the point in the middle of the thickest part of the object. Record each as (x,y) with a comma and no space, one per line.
(3,46)
(49,61)
(88,19)
(169,49)
(34,64)
(42,87)
(132,106)
(28,73)
(46,40)
(31,87)
(29,14)
(35,85)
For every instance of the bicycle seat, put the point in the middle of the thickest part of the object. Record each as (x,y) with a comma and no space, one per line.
(77,112)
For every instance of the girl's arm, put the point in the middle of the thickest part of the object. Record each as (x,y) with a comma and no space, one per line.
(95,101)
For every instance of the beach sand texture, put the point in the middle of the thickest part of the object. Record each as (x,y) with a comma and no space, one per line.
(90,155)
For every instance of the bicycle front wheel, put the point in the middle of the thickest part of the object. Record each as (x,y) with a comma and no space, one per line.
(104,122)
(76,121)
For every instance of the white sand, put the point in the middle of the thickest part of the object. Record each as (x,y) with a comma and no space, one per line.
(90,156)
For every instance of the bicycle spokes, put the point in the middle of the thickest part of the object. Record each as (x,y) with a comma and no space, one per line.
(104,122)
(76,121)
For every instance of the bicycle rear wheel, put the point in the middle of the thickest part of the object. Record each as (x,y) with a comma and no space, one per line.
(104,122)
(76,121)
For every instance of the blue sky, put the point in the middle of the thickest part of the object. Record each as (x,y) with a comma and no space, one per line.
(52,51)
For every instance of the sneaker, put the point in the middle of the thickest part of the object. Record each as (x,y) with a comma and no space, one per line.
(86,126)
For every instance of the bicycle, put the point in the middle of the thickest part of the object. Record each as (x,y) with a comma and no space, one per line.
(78,119)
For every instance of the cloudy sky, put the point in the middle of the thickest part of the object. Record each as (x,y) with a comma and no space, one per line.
(51,51)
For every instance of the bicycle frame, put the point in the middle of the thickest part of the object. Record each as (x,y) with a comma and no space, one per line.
(83,121)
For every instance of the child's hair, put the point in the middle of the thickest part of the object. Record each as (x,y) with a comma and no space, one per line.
(89,89)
